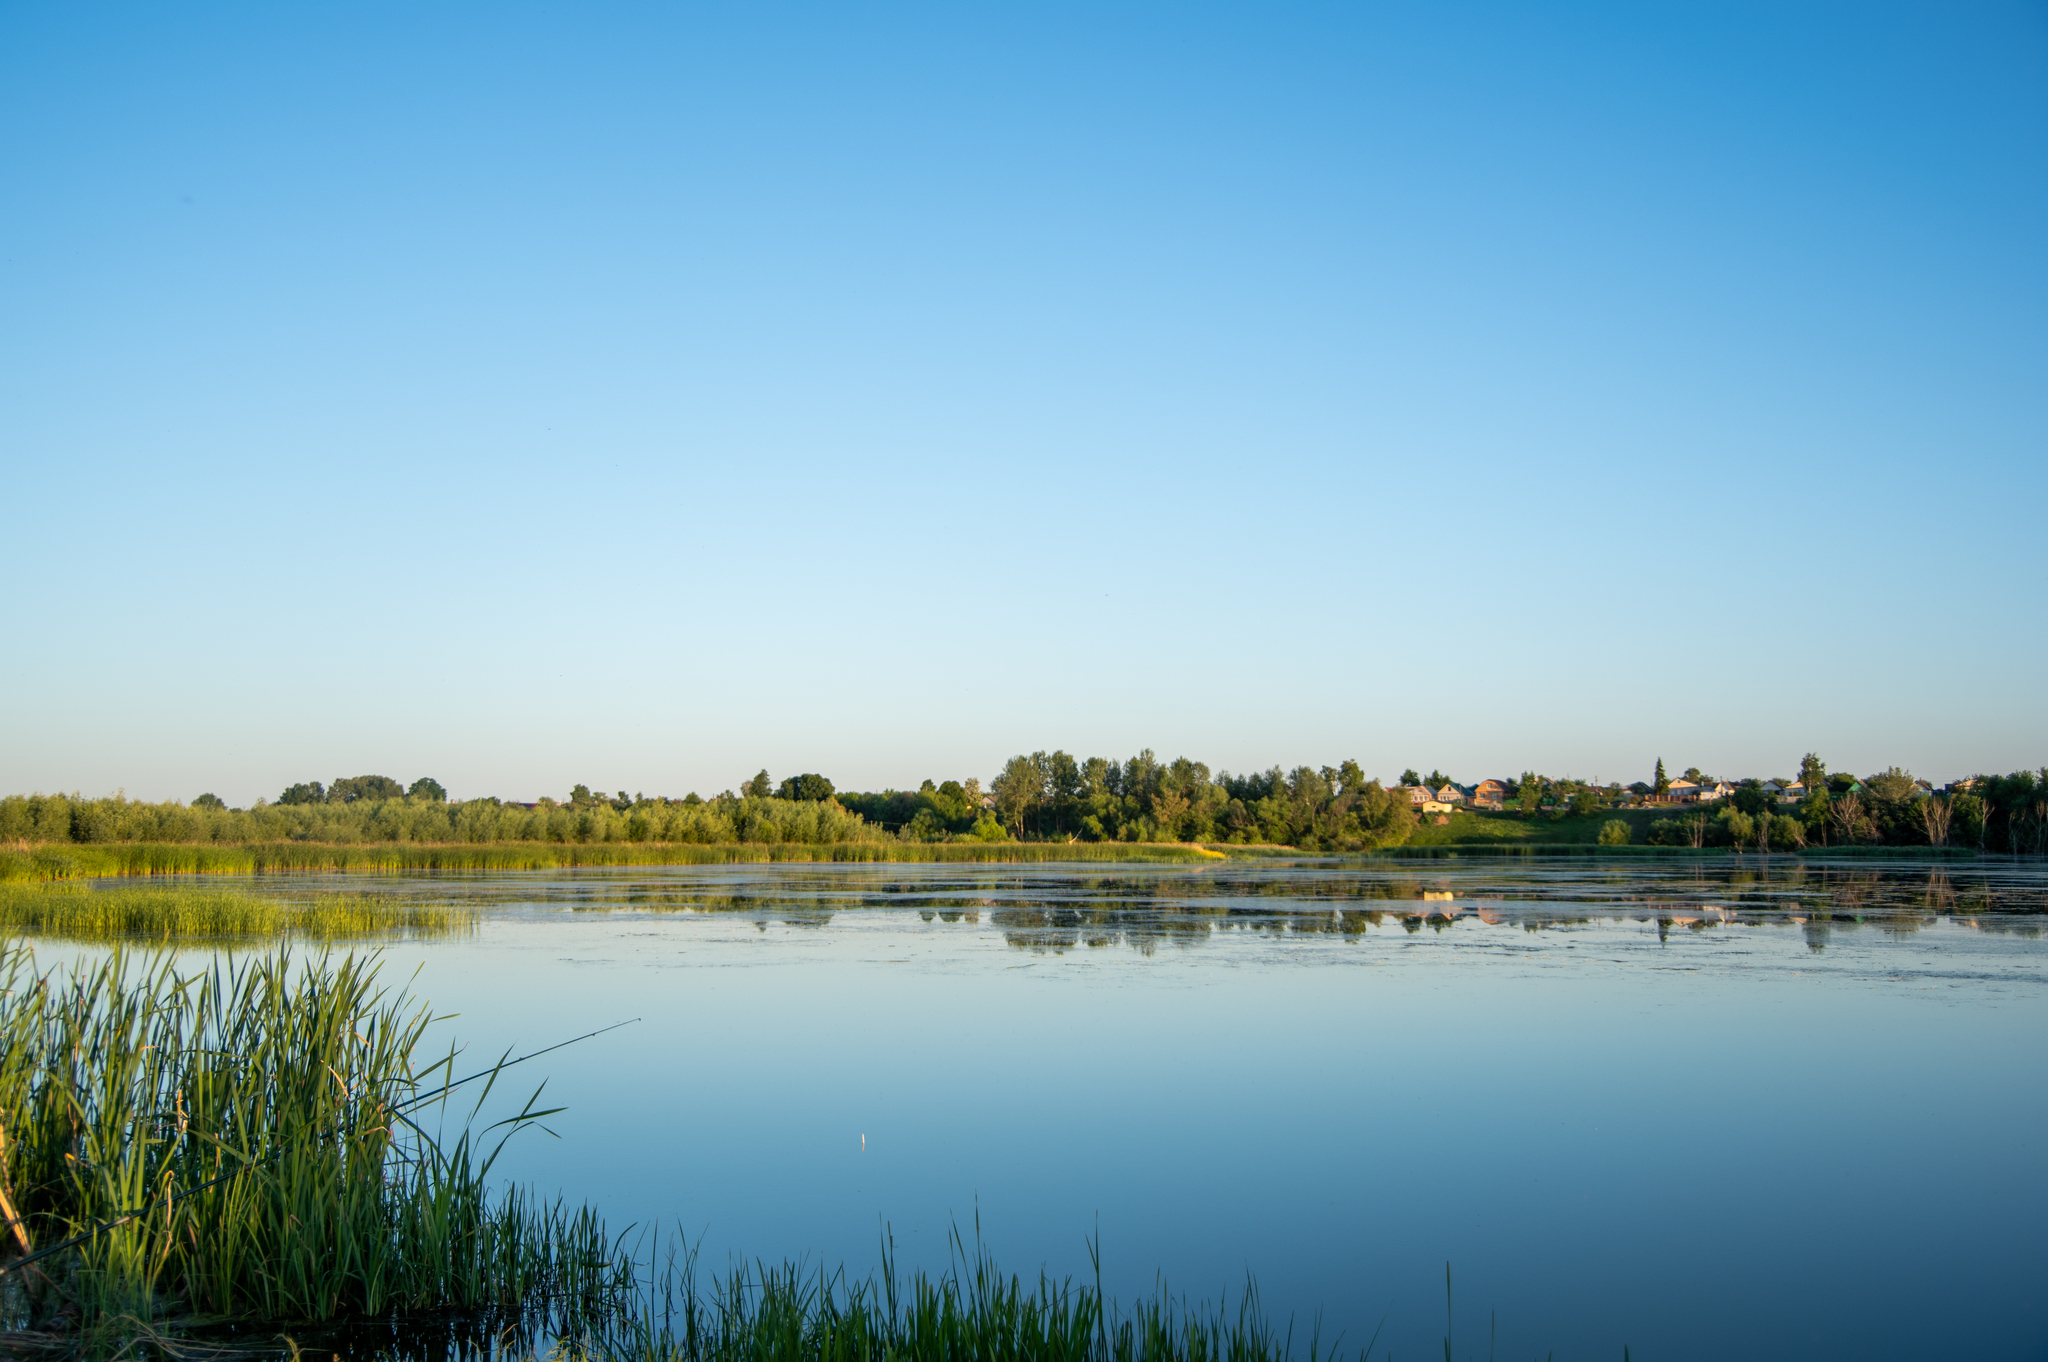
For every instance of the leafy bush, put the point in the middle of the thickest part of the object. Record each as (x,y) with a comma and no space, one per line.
(1733,827)
(1614,833)
(1788,833)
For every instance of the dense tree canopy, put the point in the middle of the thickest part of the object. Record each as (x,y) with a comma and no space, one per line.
(810,786)
(351,789)
(1054,796)
(68,818)
(348,789)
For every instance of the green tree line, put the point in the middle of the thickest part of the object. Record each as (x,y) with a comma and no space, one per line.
(2006,813)
(1051,796)
(1056,797)
(1039,797)
(69,818)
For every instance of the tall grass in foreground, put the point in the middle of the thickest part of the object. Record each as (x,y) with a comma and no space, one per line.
(245,1148)
(971,1311)
(251,1143)
(72,912)
(170,858)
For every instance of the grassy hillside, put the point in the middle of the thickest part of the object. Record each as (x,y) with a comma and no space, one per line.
(1469,828)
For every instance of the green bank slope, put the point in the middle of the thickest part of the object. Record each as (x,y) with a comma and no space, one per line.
(63,862)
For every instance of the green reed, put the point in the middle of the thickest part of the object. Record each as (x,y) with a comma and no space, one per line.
(763,1313)
(171,858)
(71,911)
(250,1143)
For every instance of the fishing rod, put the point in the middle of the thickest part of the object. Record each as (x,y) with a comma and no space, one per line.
(505,1064)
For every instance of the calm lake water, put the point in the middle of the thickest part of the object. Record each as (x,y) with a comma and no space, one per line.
(1707,1111)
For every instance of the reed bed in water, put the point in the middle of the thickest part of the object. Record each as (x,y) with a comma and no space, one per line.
(249,1144)
(972,1310)
(71,911)
(169,858)
(245,1148)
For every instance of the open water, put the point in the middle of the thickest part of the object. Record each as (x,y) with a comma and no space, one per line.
(1704,1109)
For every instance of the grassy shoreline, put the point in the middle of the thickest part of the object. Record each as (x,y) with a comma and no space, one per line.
(57,862)
(69,910)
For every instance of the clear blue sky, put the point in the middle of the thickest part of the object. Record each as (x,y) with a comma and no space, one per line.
(643,395)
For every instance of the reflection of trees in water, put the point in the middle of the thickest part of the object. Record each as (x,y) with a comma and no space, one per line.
(1048,927)
(1038,929)
(1848,893)
(795,917)
(2028,928)
(1144,907)
(1055,928)
(1666,921)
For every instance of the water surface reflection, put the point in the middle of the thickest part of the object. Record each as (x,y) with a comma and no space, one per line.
(1053,908)
(1817,1085)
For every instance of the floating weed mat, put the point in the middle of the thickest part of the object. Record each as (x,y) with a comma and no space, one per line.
(249,1147)
(190,913)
